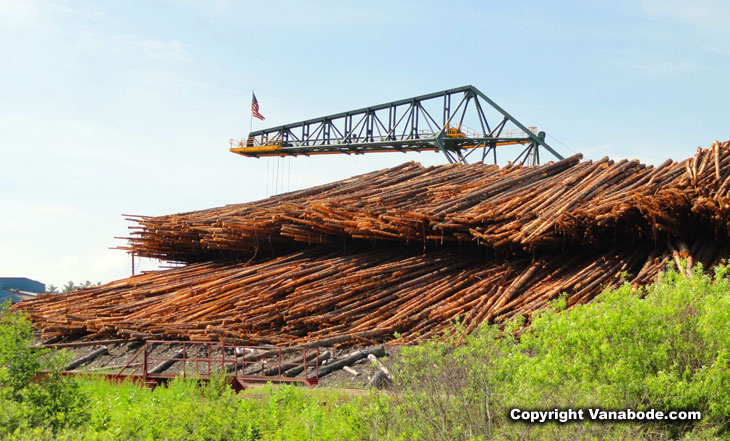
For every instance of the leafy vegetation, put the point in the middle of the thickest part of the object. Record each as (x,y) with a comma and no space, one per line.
(665,347)
(55,402)
(70,287)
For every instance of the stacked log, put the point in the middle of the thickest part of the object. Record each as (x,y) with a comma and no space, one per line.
(527,208)
(402,254)
(370,296)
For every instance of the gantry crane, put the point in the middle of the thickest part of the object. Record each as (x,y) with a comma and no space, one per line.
(406,126)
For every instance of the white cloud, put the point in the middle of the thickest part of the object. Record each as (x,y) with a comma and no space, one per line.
(705,14)
(47,15)
(668,68)
(660,63)
(706,18)
(150,48)
(67,262)
(18,13)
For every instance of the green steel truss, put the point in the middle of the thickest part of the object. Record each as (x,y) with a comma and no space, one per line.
(456,122)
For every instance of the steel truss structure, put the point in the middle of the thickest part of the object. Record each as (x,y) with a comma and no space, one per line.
(406,125)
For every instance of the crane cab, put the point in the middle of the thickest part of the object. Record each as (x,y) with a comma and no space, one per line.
(253,144)
(454,132)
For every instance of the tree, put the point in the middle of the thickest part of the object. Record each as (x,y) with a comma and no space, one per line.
(71,286)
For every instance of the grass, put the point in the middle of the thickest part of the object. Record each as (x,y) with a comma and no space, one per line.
(186,410)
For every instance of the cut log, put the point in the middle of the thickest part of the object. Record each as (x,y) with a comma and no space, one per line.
(323,358)
(350,359)
(87,358)
(381,366)
(350,371)
(165,365)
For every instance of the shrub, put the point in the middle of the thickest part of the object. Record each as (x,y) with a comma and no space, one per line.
(53,402)
(19,363)
(664,347)
(454,391)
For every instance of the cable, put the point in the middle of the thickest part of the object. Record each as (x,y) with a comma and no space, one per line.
(561,143)
(278,175)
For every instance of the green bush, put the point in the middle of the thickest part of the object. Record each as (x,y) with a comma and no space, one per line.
(18,362)
(186,410)
(666,350)
(90,408)
(664,347)
(53,402)
(437,378)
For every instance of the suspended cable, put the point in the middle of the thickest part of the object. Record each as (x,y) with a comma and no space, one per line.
(278,173)
(273,176)
(268,160)
(561,143)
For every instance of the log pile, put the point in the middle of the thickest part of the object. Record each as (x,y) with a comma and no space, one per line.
(400,254)
(526,208)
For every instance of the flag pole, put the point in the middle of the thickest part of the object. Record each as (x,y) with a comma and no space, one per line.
(250,124)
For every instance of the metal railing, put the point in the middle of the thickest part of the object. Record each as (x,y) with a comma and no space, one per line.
(204,360)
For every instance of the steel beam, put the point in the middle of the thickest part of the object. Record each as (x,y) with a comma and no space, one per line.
(410,127)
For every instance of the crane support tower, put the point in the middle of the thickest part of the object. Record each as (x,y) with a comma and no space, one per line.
(407,125)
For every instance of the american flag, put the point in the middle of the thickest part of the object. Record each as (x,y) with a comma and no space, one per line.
(255,108)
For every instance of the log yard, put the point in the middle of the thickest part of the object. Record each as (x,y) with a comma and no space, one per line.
(398,255)
(364,221)
(403,254)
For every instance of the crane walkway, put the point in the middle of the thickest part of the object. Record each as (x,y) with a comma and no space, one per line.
(406,125)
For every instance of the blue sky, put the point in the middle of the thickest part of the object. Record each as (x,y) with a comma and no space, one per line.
(127,107)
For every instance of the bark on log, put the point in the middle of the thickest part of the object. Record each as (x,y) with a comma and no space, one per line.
(350,359)
(87,358)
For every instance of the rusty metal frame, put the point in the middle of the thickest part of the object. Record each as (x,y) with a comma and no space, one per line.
(142,362)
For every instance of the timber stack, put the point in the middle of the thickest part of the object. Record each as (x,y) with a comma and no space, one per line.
(401,254)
